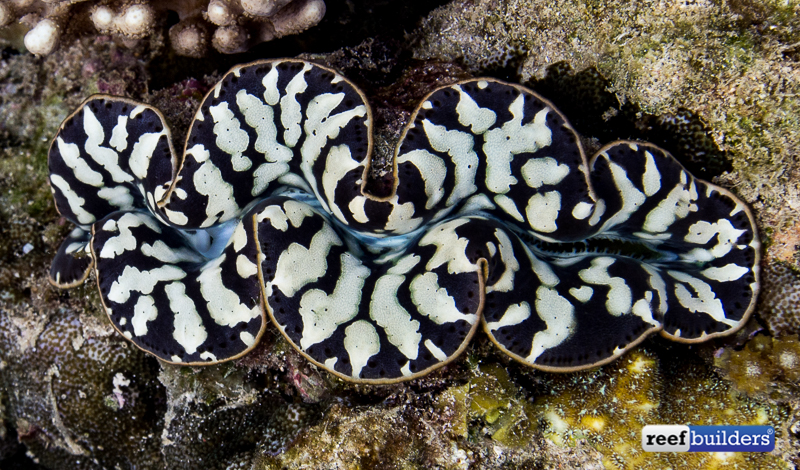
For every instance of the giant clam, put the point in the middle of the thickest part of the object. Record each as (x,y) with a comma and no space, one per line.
(495,217)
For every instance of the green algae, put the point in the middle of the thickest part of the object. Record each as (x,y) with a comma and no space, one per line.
(490,403)
(762,364)
(32,106)
(494,398)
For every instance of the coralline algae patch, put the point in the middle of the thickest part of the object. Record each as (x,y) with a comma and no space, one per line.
(500,416)
(606,407)
(77,402)
(609,407)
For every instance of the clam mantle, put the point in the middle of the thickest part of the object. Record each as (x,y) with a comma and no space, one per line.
(495,217)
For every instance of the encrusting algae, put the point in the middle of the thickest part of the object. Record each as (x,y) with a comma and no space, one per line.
(610,406)
(780,299)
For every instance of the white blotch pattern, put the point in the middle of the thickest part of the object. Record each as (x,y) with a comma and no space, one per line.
(541,171)
(727,273)
(142,153)
(582,294)
(167,254)
(434,171)
(632,198)
(125,241)
(559,316)
(582,210)
(245,267)
(509,206)
(361,343)
(276,216)
(270,81)
(358,210)
(291,113)
(296,212)
(677,205)
(651,179)
(506,281)
(705,301)
(105,156)
(619,300)
(133,280)
(299,265)
(643,310)
(119,135)
(188,330)
(321,127)
(401,219)
(450,248)
(71,155)
(221,205)
(143,312)
(260,117)
(658,284)
(460,147)
(322,313)
(514,315)
(386,311)
(473,116)
(293,134)
(503,143)
(542,211)
(434,302)
(117,196)
(74,201)
(223,304)
(435,350)
(231,138)
(702,232)
(339,163)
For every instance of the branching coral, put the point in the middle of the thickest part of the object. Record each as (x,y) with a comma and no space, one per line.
(494,214)
(229,25)
(236,25)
